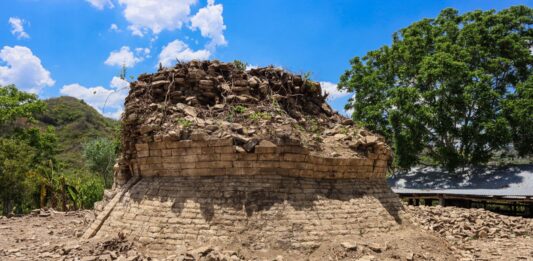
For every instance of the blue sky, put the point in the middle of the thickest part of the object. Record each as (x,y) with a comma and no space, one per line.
(76,47)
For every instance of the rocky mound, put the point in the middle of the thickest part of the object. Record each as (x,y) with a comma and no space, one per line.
(218,100)
(217,155)
(466,224)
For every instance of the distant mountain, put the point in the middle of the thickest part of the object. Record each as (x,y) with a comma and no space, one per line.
(76,123)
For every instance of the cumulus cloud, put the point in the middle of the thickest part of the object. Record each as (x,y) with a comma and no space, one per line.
(114,27)
(156,15)
(145,52)
(101,4)
(119,83)
(109,102)
(180,51)
(211,23)
(17,27)
(24,69)
(331,89)
(124,56)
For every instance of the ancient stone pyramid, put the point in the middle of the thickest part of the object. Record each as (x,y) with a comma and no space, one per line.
(216,154)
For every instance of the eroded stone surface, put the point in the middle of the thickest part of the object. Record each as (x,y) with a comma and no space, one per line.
(262,211)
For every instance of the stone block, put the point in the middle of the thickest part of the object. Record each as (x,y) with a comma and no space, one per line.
(220,142)
(294,157)
(265,146)
(143,153)
(141,146)
(155,153)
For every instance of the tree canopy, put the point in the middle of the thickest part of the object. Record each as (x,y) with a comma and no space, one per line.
(453,89)
(16,104)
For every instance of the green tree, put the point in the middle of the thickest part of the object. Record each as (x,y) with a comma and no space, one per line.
(519,110)
(100,155)
(15,104)
(15,164)
(440,89)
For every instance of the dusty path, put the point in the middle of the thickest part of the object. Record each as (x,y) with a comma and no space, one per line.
(34,237)
(464,235)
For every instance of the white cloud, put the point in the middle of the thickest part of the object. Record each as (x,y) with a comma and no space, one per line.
(156,15)
(119,83)
(17,27)
(109,102)
(23,69)
(331,89)
(114,27)
(101,4)
(179,50)
(124,56)
(211,23)
(251,66)
(145,52)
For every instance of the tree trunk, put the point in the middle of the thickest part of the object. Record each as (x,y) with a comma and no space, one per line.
(7,207)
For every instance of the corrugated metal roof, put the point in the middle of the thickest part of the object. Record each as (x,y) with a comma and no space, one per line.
(516,180)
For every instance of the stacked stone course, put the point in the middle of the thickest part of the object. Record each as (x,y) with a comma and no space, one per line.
(219,158)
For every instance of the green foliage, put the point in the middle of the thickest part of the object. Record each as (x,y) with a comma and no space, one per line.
(313,126)
(15,164)
(16,104)
(257,116)
(239,109)
(184,123)
(100,155)
(444,88)
(307,76)
(240,65)
(31,173)
(76,123)
(123,72)
(307,80)
(84,188)
(519,110)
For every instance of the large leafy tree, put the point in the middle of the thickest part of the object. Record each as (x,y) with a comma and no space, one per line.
(441,89)
(15,104)
(17,156)
(15,163)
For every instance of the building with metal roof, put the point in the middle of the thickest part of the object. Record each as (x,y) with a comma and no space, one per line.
(508,189)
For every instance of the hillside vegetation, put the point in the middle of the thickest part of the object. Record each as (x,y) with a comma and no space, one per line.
(56,153)
(75,123)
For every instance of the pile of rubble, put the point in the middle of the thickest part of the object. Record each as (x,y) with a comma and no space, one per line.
(122,249)
(460,224)
(212,100)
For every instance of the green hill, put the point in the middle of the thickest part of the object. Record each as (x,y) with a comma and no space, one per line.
(76,123)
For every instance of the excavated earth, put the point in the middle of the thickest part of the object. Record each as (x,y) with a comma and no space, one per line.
(448,234)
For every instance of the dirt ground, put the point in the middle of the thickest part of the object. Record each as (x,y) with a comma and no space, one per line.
(51,235)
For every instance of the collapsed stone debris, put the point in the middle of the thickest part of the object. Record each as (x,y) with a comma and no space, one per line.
(216,100)
(463,225)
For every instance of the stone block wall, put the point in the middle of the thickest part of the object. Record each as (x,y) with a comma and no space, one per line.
(220,158)
(202,191)
(267,211)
